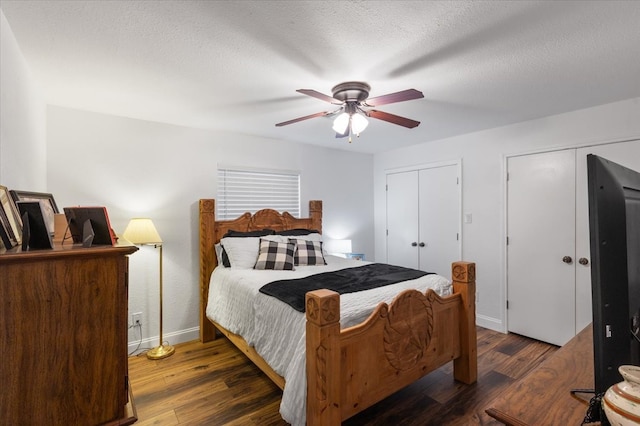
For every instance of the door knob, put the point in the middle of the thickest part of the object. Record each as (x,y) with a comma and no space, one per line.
(583,261)
(422,244)
(567,259)
(414,244)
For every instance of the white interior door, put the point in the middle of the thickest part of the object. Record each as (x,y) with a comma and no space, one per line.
(439,242)
(541,246)
(626,154)
(402,219)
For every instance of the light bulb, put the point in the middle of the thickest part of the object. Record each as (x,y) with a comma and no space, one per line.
(358,123)
(341,123)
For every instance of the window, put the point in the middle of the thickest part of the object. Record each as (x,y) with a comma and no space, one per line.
(243,190)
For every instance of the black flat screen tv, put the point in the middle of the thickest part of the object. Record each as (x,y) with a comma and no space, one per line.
(614,225)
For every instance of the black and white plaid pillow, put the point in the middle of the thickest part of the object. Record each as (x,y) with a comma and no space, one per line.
(274,255)
(308,252)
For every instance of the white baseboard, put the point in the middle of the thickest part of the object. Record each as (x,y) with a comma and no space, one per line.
(173,338)
(490,323)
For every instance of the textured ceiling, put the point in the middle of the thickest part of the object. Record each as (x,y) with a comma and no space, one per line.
(235,65)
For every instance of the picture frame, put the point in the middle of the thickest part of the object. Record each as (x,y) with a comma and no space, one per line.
(7,238)
(36,233)
(49,206)
(10,210)
(90,225)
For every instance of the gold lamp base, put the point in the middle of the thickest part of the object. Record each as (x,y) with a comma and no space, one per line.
(160,352)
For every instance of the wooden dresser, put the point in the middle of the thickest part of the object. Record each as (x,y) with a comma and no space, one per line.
(63,336)
(543,397)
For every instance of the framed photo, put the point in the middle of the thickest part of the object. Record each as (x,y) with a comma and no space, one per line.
(10,216)
(37,235)
(92,221)
(49,206)
(6,235)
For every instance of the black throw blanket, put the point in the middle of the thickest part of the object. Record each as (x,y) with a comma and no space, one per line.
(349,280)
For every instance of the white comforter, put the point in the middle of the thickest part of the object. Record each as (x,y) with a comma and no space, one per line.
(277,331)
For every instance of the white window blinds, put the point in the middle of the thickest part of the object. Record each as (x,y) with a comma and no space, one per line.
(241,191)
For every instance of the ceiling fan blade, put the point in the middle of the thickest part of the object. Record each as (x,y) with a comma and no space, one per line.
(306,117)
(318,95)
(405,95)
(395,119)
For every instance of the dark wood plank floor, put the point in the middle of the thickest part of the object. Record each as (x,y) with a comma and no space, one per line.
(214,384)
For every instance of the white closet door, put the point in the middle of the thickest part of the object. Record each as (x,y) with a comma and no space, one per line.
(402,219)
(626,154)
(439,243)
(540,251)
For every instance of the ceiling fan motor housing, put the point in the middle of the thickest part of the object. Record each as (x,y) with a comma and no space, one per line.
(351,91)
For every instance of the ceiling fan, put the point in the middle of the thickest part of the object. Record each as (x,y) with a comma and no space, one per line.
(353,98)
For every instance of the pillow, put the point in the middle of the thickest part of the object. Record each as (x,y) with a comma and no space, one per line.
(297,232)
(223,258)
(276,238)
(241,252)
(308,252)
(219,249)
(311,237)
(241,234)
(275,255)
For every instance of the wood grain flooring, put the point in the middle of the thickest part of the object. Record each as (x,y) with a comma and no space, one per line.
(215,384)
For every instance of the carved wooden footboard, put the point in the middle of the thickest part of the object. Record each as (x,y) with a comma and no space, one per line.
(352,369)
(349,370)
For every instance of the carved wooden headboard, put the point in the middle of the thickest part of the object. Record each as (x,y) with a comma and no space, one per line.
(211,231)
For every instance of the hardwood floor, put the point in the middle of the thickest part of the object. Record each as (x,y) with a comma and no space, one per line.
(214,384)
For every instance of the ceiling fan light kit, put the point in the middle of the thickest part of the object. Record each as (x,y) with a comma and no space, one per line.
(341,123)
(351,120)
(353,98)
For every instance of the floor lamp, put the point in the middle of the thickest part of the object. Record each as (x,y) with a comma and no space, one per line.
(142,231)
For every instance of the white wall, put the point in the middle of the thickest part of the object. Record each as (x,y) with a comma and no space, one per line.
(483,162)
(140,168)
(22,119)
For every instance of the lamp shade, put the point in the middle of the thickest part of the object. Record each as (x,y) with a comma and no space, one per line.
(341,123)
(337,246)
(141,230)
(358,123)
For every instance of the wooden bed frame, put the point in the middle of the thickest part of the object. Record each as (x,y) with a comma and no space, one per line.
(351,369)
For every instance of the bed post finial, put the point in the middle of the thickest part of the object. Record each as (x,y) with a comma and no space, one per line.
(465,368)
(323,357)
(315,213)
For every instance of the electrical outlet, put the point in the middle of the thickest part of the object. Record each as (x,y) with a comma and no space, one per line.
(136,319)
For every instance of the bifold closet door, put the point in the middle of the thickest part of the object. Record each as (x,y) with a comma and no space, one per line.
(423,219)
(548,252)
(402,219)
(439,242)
